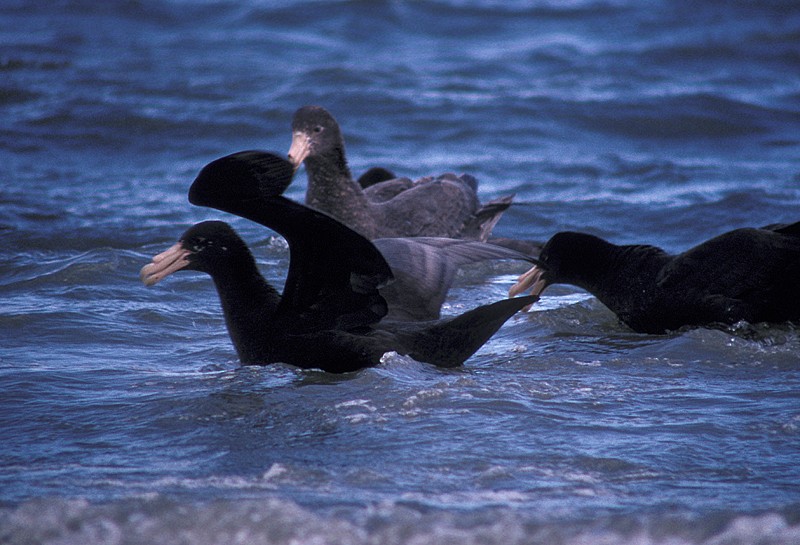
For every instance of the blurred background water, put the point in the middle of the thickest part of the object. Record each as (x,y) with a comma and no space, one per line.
(124,416)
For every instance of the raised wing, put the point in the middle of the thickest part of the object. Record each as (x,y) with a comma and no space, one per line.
(334,273)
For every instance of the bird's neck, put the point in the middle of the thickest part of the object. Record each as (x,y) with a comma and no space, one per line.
(331,189)
(624,278)
(249,304)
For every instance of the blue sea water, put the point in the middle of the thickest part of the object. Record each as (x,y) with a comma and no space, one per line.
(124,415)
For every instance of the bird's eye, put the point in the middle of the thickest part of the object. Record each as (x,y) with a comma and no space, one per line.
(318,128)
(201,243)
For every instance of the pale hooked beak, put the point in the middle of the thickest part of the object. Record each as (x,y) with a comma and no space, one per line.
(164,264)
(533,280)
(300,148)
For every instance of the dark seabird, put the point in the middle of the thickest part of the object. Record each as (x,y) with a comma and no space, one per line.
(424,267)
(330,314)
(441,206)
(750,274)
(375,175)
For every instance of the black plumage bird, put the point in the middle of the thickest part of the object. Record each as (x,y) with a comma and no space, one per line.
(750,274)
(331,314)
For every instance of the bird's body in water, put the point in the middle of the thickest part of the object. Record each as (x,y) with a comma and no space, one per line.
(339,330)
(748,274)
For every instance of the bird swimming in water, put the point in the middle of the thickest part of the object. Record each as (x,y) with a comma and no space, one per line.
(331,314)
(441,206)
(748,274)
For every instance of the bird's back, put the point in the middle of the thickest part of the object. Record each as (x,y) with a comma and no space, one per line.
(745,274)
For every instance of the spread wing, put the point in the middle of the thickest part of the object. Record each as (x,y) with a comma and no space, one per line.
(334,273)
(424,269)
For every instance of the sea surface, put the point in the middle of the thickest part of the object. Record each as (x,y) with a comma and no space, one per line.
(125,417)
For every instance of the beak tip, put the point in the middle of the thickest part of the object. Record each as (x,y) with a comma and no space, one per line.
(295,163)
(164,264)
(144,275)
(531,280)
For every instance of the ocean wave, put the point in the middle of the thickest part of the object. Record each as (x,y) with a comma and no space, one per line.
(692,116)
(160,520)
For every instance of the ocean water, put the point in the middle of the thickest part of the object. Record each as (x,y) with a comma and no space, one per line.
(124,415)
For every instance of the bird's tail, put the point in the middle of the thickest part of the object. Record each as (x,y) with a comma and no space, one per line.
(449,342)
(487,216)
